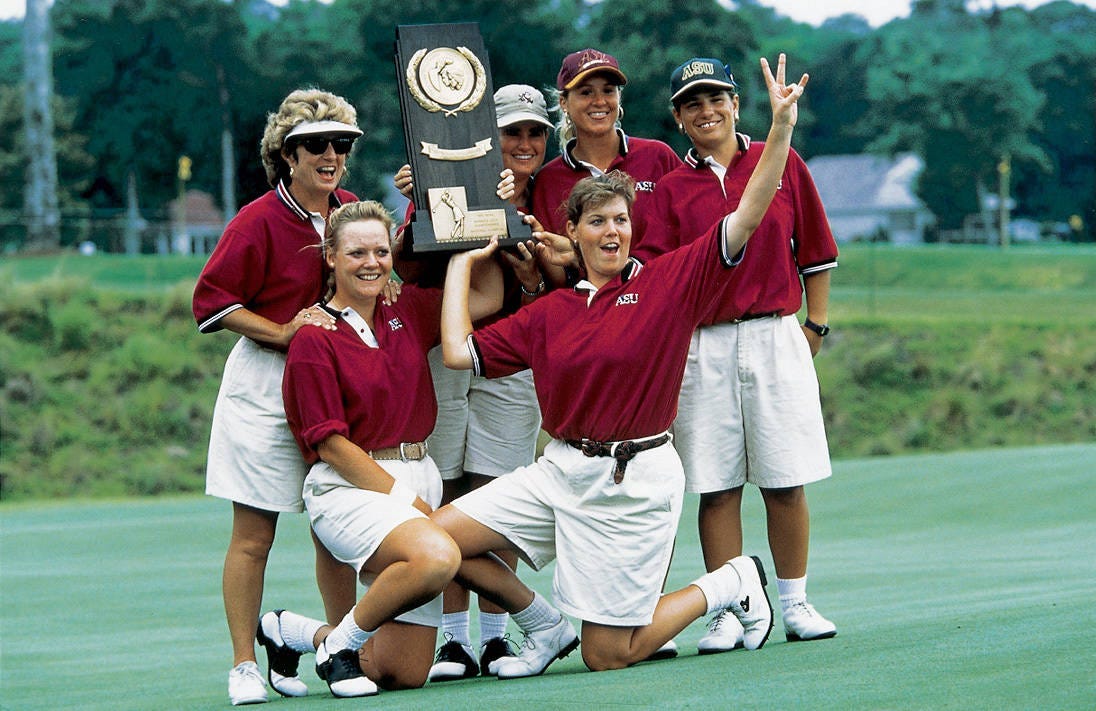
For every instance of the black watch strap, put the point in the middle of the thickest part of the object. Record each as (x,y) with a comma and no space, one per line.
(820,329)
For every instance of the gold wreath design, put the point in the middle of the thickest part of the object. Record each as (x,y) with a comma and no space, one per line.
(429,104)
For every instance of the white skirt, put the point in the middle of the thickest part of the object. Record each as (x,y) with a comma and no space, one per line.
(253,458)
(352,523)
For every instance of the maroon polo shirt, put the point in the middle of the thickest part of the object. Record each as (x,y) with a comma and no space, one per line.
(645,160)
(793,239)
(268,261)
(612,370)
(334,383)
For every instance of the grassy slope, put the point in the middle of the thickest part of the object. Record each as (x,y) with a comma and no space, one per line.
(107,389)
(958,581)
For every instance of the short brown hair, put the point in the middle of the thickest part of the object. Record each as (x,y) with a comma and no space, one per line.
(598,190)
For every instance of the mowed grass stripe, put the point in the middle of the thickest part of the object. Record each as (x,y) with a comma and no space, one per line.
(957,581)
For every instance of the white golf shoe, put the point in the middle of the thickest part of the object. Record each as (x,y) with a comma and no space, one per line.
(342,673)
(538,650)
(724,634)
(246,685)
(802,623)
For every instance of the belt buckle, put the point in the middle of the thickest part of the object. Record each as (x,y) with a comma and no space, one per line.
(403,450)
(591,448)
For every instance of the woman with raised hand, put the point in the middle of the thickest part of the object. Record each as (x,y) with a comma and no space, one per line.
(605,498)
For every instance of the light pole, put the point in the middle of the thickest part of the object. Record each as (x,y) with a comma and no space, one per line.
(182,239)
(1004,169)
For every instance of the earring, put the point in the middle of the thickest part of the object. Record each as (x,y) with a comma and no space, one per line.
(681,128)
(290,171)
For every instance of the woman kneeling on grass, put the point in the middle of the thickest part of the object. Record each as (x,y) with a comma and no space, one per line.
(608,358)
(360,403)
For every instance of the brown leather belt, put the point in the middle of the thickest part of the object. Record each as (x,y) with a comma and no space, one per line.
(754,317)
(623,451)
(407,452)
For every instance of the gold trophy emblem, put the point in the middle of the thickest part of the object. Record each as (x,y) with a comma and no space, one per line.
(446,80)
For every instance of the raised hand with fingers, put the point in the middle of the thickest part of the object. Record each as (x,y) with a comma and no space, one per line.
(525,267)
(783,97)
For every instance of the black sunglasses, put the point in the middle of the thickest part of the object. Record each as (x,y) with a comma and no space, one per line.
(317,145)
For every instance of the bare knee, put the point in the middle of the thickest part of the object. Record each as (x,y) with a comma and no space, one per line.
(601,658)
(252,533)
(436,560)
(720,500)
(396,679)
(788,497)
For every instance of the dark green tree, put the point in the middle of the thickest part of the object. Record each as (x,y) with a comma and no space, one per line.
(153,81)
(953,91)
(650,39)
(1065,72)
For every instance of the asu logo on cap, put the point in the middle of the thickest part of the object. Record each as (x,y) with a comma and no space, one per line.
(696,68)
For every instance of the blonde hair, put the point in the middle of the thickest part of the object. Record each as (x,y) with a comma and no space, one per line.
(347,214)
(300,106)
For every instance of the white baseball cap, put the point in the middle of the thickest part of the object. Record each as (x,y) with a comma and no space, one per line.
(515,103)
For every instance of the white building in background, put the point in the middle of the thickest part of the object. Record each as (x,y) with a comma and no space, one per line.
(872,197)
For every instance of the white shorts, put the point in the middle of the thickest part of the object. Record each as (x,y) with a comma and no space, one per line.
(749,408)
(253,458)
(613,541)
(485,426)
(352,522)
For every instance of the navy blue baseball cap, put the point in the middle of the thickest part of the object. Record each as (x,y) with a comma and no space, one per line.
(701,72)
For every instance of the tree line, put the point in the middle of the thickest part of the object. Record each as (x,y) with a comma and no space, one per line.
(140,83)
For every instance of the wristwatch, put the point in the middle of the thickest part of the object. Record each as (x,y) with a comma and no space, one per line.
(820,329)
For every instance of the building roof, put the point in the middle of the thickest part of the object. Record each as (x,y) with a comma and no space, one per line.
(859,182)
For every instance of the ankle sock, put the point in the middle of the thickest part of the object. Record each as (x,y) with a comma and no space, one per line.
(346,635)
(455,624)
(298,631)
(492,625)
(538,616)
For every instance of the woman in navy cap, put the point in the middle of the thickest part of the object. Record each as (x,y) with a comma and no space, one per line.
(749,409)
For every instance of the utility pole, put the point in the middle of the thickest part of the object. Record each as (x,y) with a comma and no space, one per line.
(43,217)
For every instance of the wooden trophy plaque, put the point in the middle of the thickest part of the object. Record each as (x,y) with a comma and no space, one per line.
(452,140)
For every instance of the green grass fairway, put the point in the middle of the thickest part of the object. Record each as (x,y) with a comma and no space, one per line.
(957,581)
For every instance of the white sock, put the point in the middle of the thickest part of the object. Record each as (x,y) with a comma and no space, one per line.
(792,591)
(538,616)
(298,631)
(456,624)
(492,625)
(711,585)
(346,635)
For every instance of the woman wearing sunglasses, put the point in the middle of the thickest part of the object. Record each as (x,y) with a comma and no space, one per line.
(264,281)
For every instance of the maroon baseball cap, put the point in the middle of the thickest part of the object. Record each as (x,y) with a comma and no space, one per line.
(579,65)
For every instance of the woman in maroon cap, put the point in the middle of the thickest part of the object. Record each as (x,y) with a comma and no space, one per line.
(592,142)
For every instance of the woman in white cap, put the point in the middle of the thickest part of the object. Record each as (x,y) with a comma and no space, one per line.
(264,281)
(487,427)
(592,143)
